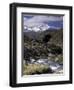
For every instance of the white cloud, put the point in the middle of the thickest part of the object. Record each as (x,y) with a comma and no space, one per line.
(25,19)
(36,20)
(39,21)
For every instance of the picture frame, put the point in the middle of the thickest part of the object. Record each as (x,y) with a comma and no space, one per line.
(54,18)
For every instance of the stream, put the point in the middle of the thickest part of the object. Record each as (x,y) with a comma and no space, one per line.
(54,66)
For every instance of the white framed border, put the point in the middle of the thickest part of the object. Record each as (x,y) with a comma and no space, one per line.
(48,78)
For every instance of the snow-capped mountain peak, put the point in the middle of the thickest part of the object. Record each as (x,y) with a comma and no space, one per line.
(37,28)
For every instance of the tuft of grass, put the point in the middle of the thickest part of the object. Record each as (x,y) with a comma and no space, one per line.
(60,59)
(31,69)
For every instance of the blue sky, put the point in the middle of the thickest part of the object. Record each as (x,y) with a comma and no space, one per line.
(36,20)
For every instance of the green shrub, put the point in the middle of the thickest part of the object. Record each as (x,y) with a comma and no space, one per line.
(55,49)
(60,59)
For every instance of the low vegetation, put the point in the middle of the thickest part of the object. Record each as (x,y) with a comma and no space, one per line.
(31,69)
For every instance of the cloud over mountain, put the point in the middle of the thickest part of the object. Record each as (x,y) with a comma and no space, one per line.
(41,22)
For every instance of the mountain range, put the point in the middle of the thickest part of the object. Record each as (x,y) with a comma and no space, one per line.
(56,35)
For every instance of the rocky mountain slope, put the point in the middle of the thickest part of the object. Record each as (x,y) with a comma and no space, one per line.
(43,45)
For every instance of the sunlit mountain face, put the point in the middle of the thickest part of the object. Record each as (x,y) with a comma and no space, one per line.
(42,22)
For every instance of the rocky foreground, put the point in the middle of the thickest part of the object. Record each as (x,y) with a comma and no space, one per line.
(48,66)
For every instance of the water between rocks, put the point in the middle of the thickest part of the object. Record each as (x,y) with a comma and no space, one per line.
(54,66)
